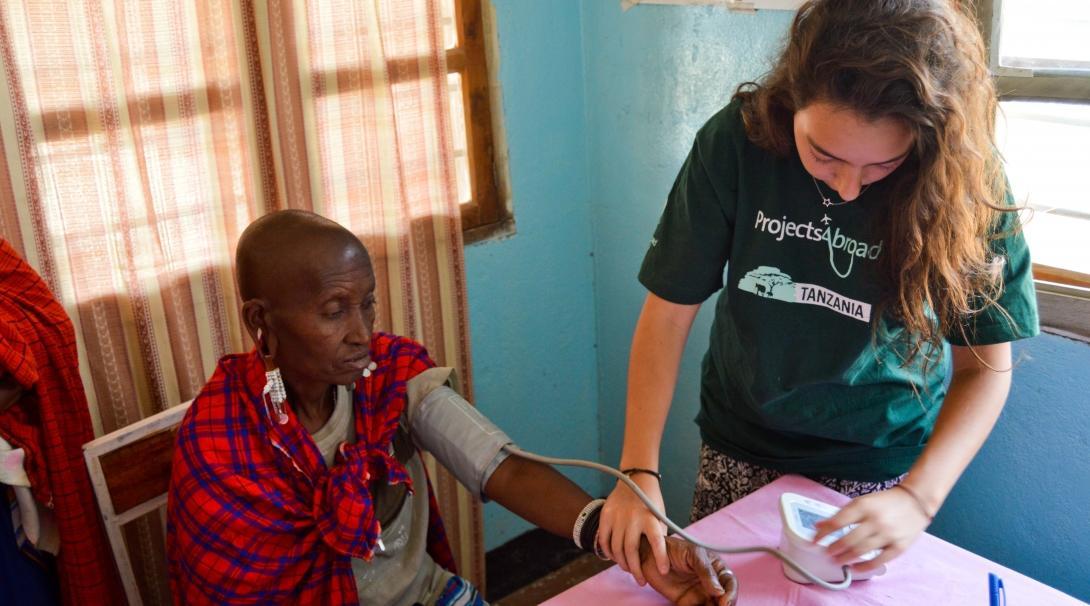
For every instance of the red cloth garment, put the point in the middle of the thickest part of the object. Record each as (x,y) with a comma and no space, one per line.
(254,514)
(51,423)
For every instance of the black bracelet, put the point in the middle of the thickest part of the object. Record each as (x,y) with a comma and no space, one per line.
(633,470)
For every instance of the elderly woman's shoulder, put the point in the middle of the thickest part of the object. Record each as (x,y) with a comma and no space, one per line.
(225,392)
(388,344)
(399,354)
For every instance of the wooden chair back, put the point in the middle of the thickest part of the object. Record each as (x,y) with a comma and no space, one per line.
(130,473)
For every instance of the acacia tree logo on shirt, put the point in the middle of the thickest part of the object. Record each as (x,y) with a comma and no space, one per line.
(771,283)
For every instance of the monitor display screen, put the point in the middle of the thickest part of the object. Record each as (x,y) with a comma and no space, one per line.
(809,519)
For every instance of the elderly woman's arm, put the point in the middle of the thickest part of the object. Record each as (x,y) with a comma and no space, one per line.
(471,447)
(537,493)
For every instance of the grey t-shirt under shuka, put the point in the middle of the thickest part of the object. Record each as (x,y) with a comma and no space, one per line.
(402,573)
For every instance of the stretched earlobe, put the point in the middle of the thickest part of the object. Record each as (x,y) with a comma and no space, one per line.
(262,346)
(254,317)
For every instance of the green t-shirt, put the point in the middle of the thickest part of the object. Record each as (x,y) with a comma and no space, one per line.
(794,378)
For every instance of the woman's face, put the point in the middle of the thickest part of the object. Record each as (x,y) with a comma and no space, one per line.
(845,151)
(323,326)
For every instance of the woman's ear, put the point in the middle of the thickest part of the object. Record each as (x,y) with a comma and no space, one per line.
(254,317)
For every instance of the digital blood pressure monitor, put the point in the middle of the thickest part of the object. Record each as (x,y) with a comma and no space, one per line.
(800,517)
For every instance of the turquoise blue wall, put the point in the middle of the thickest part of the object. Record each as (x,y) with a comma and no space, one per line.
(1025,500)
(531,296)
(600,108)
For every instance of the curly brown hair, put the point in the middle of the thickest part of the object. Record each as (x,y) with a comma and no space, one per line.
(922,62)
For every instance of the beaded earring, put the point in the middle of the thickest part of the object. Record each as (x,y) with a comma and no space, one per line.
(274,384)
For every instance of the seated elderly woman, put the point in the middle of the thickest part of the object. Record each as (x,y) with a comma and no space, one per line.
(297,477)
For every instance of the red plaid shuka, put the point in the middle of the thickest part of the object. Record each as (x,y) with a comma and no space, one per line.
(51,423)
(254,514)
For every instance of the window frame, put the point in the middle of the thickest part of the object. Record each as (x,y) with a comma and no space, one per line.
(488,213)
(1063,297)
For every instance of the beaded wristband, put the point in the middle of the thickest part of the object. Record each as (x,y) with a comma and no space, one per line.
(597,549)
(592,508)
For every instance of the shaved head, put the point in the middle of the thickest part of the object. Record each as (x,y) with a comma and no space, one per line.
(280,253)
(308,292)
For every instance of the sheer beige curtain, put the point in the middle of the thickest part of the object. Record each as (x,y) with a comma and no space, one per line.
(362,135)
(139,138)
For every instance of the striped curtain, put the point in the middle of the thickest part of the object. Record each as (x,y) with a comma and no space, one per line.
(139,138)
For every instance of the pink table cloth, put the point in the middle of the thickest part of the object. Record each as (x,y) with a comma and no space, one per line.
(931,572)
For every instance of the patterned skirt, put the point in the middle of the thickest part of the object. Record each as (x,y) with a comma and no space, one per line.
(458,592)
(723,480)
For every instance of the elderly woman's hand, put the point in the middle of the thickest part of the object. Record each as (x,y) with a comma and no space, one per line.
(696,577)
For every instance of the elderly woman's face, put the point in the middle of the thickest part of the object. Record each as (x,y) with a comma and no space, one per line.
(323,327)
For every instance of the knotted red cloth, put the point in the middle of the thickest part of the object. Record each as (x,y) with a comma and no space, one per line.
(254,514)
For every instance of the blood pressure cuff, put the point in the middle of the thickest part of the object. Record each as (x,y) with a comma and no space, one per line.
(443,423)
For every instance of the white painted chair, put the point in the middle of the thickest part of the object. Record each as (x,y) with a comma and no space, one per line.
(130,473)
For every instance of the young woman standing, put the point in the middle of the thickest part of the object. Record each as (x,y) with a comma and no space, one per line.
(855,198)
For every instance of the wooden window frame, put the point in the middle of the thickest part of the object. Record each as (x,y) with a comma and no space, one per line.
(488,213)
(1063,296)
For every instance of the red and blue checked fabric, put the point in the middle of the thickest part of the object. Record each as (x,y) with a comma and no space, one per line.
(51,423)
(254,514)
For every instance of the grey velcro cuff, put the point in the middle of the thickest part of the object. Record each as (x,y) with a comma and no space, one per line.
(463,440)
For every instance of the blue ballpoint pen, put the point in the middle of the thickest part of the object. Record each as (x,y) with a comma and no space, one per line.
(995,589)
